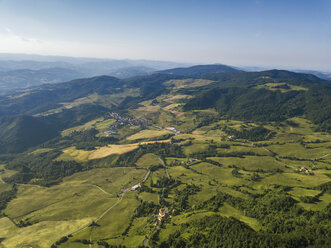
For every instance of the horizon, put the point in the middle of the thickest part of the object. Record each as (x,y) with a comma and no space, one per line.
(248,68)
(253,33)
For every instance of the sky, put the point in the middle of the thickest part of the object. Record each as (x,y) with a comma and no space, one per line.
(269,33)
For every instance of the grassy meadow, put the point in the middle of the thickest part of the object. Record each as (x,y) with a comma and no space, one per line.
(40,216)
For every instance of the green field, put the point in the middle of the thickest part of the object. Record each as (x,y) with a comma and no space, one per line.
(201,156)
(148,160)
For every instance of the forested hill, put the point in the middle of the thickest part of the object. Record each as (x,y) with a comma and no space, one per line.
(43,98)
(200,70)
(269,76)
(238,159)
(273,95)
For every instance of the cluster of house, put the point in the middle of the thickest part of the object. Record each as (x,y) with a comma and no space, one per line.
(172,129)
(163,212)
(305,170)
(123,121)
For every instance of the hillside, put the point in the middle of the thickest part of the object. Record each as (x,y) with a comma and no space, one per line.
(23,71)
(203,158)
(19,133)
(131,71)
(268,96)
(252,96)
(26,78)
(200,70)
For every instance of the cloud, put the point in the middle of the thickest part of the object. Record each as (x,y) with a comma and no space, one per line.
(30,40)
(22,38)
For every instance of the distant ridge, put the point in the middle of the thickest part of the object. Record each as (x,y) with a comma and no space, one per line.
(199,70)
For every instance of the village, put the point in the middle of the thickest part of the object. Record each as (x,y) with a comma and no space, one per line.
(128,121)
(123,121)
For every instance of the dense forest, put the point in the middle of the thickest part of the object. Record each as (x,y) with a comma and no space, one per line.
(265,105)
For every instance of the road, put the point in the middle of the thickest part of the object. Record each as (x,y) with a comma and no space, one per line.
(103,214)
(165,168)
(101,189)
(325,155)
(146,176)
(114,205)
(91,185)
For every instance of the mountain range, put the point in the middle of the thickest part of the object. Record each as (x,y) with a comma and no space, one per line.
(201,156)
(273,95)
(23,71)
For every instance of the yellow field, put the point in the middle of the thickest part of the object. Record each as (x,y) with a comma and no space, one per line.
(271,86)
(188,83)
(118,149)
(72,153)
(171,106)
(41,150)
(145,134)
(172,98)
(112,149)
(150,108)
(6,227)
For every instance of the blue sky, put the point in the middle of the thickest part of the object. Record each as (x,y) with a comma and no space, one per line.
(271,33)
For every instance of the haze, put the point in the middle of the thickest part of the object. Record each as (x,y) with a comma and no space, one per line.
(279,34)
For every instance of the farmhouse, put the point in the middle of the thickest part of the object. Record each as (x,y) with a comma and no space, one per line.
(172,129)
(110,132)
(305,170)
(135,187)
(163,212)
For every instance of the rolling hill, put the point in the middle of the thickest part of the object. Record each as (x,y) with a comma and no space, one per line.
(199,157)
(19,71)
(200,70)
(25,78)
(251,96)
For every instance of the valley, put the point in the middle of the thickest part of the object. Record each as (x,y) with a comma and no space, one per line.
(209,151)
